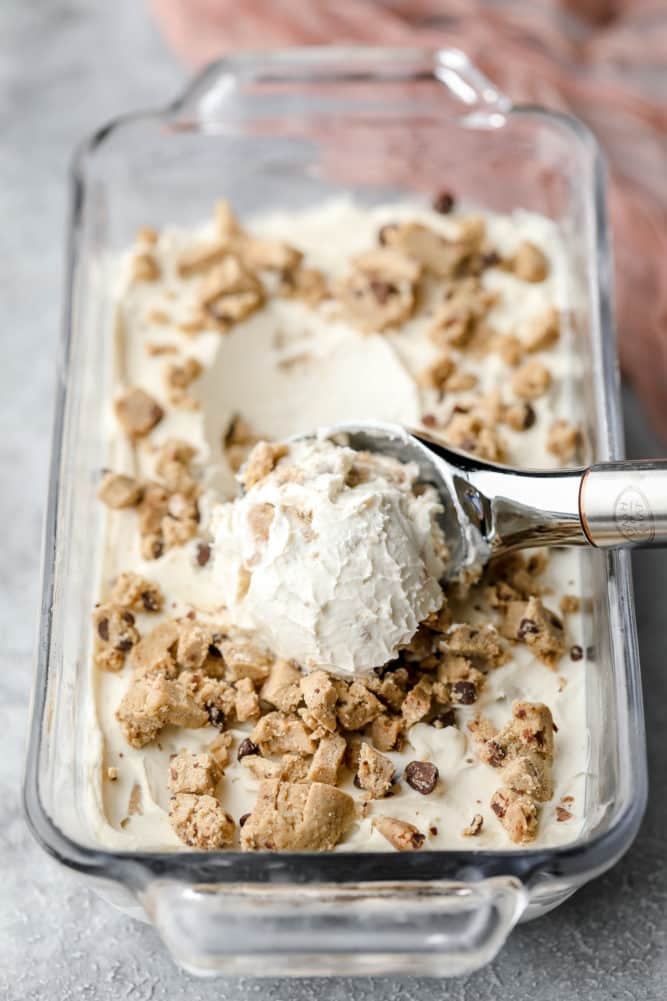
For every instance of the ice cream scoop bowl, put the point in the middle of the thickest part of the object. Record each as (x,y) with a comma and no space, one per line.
(490,509)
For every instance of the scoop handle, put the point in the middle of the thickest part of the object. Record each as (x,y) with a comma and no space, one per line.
(609,505)
(625,504)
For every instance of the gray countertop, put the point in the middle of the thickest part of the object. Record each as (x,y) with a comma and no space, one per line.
(66,66)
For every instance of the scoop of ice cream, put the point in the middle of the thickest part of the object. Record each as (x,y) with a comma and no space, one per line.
(332,555)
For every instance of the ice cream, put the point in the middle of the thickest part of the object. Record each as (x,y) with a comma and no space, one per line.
(265,348)
(332,557)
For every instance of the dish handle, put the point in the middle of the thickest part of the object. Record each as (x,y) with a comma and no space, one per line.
(434,929)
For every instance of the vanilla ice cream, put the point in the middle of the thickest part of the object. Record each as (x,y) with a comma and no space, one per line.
(332,557)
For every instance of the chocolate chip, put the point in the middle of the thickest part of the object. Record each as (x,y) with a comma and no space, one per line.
(491,259)
(496,754)
(150,601)
(127,617)
(384,231)
(433,830)
(498,808)
(417,839)
(124,645)
(446,718)
(246,747)
(444,202)
(553,619)
(216,717)
(243,818)
(576,652)
(429,421)
(528,416)
(103,629)
(382,290)
(214,652)
(157,549)
(464,693)
(562,814)
(356,781)
(527,627)
(422,776)
(203,554)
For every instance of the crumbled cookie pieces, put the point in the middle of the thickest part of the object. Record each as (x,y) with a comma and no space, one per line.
(116,634)
(402,836)
(297,817)
(523,750)
(131,590)
(117,490)
(531,380)
(200,821)
(380,290)
(464,307)
(145,267)
(328,759)
(152,701)
(261,461)
(529,263)
(563,440)
(137,412)
(542,331)
(375,773)
(538,627)
(193,773)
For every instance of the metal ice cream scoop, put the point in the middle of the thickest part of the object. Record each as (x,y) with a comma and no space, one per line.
(491,509)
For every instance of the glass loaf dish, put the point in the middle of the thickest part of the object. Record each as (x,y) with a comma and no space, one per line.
(286,131)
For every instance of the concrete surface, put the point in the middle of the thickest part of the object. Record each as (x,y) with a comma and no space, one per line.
(65,66)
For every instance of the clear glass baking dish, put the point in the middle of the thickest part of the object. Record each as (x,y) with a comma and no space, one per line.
(285,130)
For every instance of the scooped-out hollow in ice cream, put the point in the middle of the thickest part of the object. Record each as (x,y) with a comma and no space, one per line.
(334,556)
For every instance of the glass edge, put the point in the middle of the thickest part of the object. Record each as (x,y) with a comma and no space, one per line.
(136,869)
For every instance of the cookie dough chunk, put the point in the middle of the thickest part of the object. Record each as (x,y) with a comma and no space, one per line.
(529,263)
(563,439)
(327,759)
(386,733)
(375,773)
(131,590)
(297,817)
(282,687)
(153,701)
(230,292)
(261,461)
(116,635)
(277,733)
(380,290)
(244,659)
(531,380)
(356,706)
(138,412)
(200,821)
(523,750)
(402,836)
(538,627)
(155,652)
(542,331)
(460,315)
(118,491)
(195,773)
(481,644)
(320,695)
(437,254)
